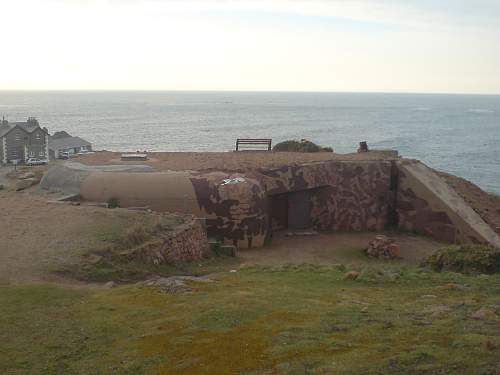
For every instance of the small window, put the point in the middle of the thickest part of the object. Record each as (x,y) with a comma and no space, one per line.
(41,153)
(31,154)
(37,136)
(18,136)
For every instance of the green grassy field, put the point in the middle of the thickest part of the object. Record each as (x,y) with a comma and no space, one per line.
(282,320)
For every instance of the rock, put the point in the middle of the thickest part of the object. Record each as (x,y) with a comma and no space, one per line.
(174,284)
(24,184)
(26,175)
(94,259)
(484,314)
(437,311)
(351,275)
(452,286)
(110,284)
(383,247)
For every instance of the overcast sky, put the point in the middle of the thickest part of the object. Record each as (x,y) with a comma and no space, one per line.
(323,45)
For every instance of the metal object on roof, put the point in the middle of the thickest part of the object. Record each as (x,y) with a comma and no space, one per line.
(134,156)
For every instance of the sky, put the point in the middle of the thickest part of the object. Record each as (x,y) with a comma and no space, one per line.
(449,46)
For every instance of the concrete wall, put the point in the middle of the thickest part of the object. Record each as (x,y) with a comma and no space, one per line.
(348,196)
(333,196)
(427,204)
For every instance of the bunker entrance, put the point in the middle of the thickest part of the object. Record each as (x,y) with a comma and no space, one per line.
(291,210)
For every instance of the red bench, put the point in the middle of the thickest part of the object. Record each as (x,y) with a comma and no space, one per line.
(253,143)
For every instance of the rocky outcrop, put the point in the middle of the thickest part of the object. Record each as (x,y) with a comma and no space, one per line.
(383,247)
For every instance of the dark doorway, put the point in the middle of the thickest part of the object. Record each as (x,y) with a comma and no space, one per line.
(290,210)
(278,212)
(299,210)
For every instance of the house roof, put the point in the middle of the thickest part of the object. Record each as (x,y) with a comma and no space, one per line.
(68,142)
(26,126)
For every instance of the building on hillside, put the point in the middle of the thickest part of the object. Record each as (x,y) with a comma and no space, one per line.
(62,142)
(20,141)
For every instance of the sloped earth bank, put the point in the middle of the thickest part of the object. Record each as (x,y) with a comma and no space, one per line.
(39,237)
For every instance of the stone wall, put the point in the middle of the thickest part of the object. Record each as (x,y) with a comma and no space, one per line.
(188,242)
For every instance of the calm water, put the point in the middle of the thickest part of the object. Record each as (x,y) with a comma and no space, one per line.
(459,134)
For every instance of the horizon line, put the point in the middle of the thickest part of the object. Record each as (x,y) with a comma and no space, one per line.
(255,91)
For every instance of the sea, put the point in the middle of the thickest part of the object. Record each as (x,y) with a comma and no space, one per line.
(459,134)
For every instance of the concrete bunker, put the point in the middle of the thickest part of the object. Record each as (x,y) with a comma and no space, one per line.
(244,209)
(293,210)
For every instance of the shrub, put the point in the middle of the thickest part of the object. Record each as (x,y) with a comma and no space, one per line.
(1,187)
(113,202)
(465,259)
(300,146)
(137,235)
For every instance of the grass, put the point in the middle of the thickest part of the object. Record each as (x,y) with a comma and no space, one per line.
(104,261)
(260,320)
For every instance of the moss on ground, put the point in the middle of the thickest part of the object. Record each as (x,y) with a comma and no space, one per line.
(466,259)
(259,320)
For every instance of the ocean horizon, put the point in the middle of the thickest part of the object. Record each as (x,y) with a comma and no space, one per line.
(454,133)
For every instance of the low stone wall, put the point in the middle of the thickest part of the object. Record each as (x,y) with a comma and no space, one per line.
(186,243)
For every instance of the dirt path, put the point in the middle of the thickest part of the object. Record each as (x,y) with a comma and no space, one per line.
(327,249)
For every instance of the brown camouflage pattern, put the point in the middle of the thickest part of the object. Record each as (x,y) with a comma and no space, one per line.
(332,196)
(342,196)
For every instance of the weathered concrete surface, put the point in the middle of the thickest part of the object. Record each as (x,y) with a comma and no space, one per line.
(236,212)
(242,208)
(425,203)
(344,195)
(68,177)
(162,192)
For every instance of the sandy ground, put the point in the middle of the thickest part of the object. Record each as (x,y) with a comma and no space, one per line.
(335,248)
(37,237)
(225,161)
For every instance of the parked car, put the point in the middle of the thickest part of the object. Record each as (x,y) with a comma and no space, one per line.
(63,155)
(85,152)
(35,161)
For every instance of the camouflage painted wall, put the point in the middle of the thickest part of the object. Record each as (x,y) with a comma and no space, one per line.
(236,212)
(427,204)
(344,196)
